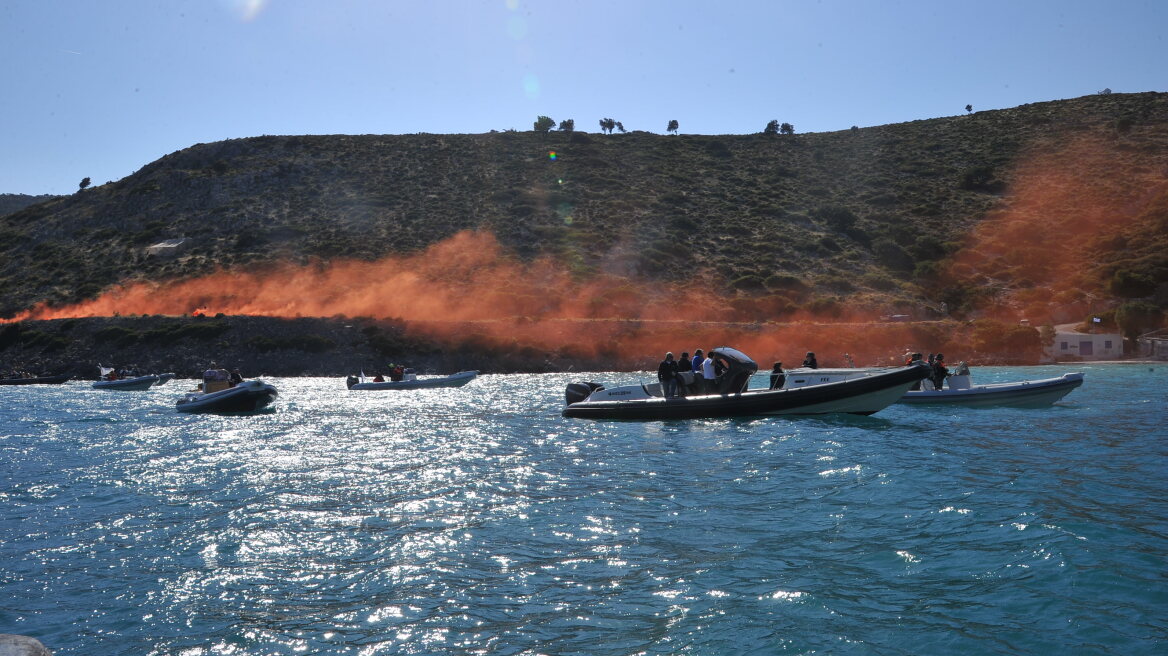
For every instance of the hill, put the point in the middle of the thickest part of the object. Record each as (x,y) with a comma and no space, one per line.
(1048,211)
(10,203)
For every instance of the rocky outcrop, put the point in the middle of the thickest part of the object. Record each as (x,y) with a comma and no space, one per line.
(18,645)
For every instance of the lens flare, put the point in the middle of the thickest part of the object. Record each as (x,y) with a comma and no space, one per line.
(246,10)
(531,86)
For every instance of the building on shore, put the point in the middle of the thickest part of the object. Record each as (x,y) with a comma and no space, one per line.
(1072,344)
(1153,345)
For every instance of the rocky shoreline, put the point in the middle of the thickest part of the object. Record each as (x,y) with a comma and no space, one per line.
(258,346)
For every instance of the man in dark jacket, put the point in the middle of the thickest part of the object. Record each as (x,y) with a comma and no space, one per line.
(940,371)
(667,374)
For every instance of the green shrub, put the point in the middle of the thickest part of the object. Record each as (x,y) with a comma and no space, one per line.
(1131,284)
(116,335)
(979,178)
(308,343)
(749,282)
(784,281)
(1135,318)
(891,255)
(43,340)
(839,219)
(174,333)
(825,307)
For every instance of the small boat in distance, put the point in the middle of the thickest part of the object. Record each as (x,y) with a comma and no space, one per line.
(410,381)
(135,383)
(1040,393)
(219,395)
(958,389)
(863,395)
(35,380)
(111,380)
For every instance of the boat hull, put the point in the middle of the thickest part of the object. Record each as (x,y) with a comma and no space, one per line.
(128,384)
(454,380)
(1025,394)
(861,396)
(248,396)
(39,380)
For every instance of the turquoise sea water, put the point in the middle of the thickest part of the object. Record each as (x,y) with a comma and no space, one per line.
(478,521)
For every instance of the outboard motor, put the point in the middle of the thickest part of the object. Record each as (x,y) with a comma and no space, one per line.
(576,392)
(351,381)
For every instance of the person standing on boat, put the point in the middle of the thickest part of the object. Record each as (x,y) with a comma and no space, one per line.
(696,363)
(684,373)
(778,376)
(235,378)
(696,366)
(667,374)
(709,375)
(940,371)
(810,362)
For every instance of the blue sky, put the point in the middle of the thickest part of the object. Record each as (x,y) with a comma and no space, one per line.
(100,89)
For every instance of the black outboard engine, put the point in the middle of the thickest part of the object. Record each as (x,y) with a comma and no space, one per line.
(739,369)
(351,381)
(576,392)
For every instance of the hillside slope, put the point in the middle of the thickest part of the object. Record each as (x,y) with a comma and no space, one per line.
(947,214)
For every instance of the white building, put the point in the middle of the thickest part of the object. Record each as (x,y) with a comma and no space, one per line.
(1071,345)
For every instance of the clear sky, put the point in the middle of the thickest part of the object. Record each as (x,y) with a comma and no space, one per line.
(101,88)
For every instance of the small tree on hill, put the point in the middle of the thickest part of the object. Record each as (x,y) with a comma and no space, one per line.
(607,125)
(672,126)
(1131,284)
(1135,318)
(567,125)
(84,183)
(619,126)
(787,128)
(544,123)
(772,127)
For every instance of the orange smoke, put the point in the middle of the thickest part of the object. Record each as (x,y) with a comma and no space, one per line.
(467,289)
(464,278)
(1039,250)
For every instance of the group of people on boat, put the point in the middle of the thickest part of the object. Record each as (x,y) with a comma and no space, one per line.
(116,373)
(396,373)
(689,375)
(936,364)
(701,373)
(216,378)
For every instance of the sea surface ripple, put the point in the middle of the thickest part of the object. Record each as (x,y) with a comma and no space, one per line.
(478,521)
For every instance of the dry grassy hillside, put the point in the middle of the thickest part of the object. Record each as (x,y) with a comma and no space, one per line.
(1035,209)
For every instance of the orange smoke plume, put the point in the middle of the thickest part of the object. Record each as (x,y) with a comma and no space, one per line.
(1039,250)
(467,288)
